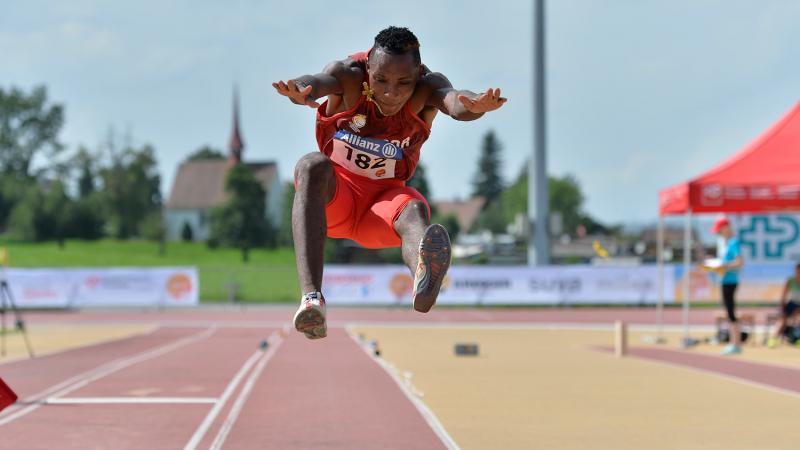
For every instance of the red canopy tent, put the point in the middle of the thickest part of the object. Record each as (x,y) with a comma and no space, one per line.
(763,177)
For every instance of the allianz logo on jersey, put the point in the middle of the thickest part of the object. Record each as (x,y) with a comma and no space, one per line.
(377,147)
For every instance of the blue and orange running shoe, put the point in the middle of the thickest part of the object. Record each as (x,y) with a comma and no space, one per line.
(434,260)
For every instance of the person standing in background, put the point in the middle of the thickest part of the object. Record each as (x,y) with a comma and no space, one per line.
(731,262)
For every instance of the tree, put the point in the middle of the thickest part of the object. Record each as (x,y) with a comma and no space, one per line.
(566,198)
(187,235)
(86,165)
(53,218)
(242,221)
(285,237)
(488,181)
(419,181)
(131,189)
(28,126)
(206,152)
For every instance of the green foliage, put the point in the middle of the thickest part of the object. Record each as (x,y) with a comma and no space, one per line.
(242,221)
(488,180)
(285,232)
(12,190)
(84,218)
(187,235)
(565,195)
(206,152)
(28,126)
(566,198)
(85,163)
(450,222)
(419,181)
(131,190)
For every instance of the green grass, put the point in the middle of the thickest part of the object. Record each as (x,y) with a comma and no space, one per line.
(269,276)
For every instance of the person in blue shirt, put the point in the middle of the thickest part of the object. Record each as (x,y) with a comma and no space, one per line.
(732,262)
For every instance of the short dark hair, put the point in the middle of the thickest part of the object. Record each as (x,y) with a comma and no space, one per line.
(398,41)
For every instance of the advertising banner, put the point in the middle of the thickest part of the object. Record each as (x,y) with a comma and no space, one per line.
(773,238)
(757,282)
(479,285)
(78,288)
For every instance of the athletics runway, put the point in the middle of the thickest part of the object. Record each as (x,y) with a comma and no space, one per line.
(544,379)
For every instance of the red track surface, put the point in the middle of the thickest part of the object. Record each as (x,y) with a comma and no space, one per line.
(784,378)
(326,394)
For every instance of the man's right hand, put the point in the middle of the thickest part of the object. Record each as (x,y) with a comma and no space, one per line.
(298,96)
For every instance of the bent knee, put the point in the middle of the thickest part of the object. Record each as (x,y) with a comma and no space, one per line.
(313,167)
(416,208)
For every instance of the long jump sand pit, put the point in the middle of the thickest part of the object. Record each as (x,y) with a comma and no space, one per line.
(49,338)
(552,388)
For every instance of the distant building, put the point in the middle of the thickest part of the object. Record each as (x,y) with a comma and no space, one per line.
(466,211)
(199,187)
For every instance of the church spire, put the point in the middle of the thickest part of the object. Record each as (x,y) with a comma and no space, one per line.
(236,144)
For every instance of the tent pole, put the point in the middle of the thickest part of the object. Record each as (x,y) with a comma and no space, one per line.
(687,276)
(660,265)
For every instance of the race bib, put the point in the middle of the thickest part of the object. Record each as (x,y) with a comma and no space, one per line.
(371,158)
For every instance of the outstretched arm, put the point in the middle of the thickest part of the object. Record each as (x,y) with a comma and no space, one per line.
(461,104)
(306,89)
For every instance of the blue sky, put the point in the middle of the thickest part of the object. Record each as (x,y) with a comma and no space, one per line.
(641,94)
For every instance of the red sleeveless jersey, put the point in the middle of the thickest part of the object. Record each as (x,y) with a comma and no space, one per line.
(377,137)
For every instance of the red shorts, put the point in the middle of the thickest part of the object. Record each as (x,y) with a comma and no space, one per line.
(364,210)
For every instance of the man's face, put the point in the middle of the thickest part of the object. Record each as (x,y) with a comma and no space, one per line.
(393,78)
(726,232)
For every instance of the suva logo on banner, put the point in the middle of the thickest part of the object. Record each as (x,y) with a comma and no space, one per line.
(769,238)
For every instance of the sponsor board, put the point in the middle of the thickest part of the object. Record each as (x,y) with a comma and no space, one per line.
(484,285)
(64,288)
(773,238)
(757,282)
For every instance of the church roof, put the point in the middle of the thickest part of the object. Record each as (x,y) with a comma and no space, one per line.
(200,184)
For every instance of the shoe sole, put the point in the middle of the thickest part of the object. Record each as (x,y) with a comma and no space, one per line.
(311,322)
(434,252)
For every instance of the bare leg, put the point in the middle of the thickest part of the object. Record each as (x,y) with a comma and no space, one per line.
(410,225)
(426,252)
(316,186)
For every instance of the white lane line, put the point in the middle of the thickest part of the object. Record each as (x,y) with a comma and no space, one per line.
(423,409)
(129,400)
(220,403)
(85,378)
(233,414)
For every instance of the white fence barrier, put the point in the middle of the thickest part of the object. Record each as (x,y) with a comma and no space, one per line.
(65,288)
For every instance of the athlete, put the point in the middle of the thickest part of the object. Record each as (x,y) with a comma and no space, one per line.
(379,110)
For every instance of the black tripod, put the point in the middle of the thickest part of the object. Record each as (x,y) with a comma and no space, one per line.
(6,302)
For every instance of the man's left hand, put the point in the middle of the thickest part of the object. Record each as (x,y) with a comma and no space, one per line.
(488,101)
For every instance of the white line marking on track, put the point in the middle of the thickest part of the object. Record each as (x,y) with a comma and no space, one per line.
(85,378)
(244,394)
(220,403)
(423,409)
(129,400)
